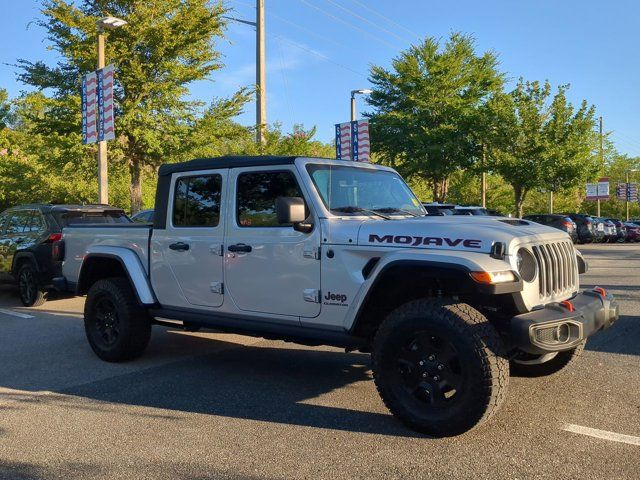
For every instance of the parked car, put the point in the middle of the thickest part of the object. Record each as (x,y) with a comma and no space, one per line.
(439,209)
(598,231)
(585,226)
(621,230)
(633,232)
(29,236)
(561,222)
(470,210)
(143,216)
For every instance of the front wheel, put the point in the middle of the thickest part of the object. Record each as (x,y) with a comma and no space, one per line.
(31,293)
(528,365)
(117,327)
(439,366)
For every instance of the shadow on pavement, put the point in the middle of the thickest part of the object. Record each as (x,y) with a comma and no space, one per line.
(623,337)
(269,384)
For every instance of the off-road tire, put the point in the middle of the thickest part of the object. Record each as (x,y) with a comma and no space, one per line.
(30,291)
(558,363)
(117,327)
(480,358)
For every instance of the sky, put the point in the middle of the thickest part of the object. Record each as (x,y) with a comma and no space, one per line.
(320,50)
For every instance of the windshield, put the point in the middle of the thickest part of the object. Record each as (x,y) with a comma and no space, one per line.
(363,191)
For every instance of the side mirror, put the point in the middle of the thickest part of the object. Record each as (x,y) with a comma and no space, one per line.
(290,210)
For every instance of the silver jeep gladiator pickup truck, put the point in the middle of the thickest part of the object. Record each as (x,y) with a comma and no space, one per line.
(328,252)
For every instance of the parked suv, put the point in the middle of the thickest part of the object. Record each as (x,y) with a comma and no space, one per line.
(561,222)
(28,243)
(586,226)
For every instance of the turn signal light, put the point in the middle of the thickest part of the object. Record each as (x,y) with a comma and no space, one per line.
(489,278)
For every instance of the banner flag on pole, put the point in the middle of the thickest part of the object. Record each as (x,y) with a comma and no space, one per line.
(343,141)
(362,140)
(352,141)
(89,108)
(106,130)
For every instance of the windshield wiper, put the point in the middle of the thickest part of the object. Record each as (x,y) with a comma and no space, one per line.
(394,210)
(353,209)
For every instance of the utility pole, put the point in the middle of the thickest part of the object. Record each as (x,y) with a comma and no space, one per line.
(601,160)
(483,181)
(550,201)
(261,77)
(103,182)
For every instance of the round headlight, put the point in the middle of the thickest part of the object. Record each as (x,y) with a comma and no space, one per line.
(526,265)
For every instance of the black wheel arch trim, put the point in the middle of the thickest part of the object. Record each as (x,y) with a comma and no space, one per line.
(24,254)
(440,270)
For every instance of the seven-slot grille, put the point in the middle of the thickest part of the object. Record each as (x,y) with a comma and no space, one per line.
(557,268)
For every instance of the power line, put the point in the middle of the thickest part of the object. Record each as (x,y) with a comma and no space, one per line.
(375,12)
(349,24)
(285,82)
(364,19)
(317,54)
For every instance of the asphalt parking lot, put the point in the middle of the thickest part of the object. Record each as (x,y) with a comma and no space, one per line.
(204,405)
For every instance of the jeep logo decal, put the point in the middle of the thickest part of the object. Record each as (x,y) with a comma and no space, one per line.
(416,241)
(335,299)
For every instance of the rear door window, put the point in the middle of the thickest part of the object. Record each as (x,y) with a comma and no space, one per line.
(17,221)
(196,201)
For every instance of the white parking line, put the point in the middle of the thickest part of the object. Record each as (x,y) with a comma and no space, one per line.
(603,434)
(15,314)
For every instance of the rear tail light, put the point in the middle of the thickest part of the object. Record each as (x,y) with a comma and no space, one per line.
(57,251)
(567,224)
(54,237)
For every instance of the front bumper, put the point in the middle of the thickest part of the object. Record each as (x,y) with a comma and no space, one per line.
(562,326)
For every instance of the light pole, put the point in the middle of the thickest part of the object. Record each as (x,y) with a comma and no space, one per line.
(362,91)
(106,23)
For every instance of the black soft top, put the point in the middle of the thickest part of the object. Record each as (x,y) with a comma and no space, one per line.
(229,161)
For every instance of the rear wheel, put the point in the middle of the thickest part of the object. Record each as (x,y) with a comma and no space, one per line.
(117,327)
(31,293)
(527,365)
(438,366)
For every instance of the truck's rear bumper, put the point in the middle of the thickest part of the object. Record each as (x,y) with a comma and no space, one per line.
(562,326)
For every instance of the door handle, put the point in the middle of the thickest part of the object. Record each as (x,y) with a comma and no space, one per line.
(239,248)
(180,246)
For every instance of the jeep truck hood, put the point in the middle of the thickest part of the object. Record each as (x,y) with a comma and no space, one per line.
(468,233)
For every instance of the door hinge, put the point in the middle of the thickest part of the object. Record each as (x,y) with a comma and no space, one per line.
(217,249)
(311,252)
(217,287)
(311,295)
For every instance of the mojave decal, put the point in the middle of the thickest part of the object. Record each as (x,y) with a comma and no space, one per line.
(415,241)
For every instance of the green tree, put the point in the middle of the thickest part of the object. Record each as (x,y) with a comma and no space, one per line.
(427,111)
(167,45)
(539,141)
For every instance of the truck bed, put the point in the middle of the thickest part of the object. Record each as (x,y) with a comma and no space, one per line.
(79,239)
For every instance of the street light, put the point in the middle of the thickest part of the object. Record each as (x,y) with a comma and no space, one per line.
(362,91)
(106,23)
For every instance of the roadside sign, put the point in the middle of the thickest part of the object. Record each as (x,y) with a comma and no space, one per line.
(89,108)
(352,141)
(598,191)
(592,191)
